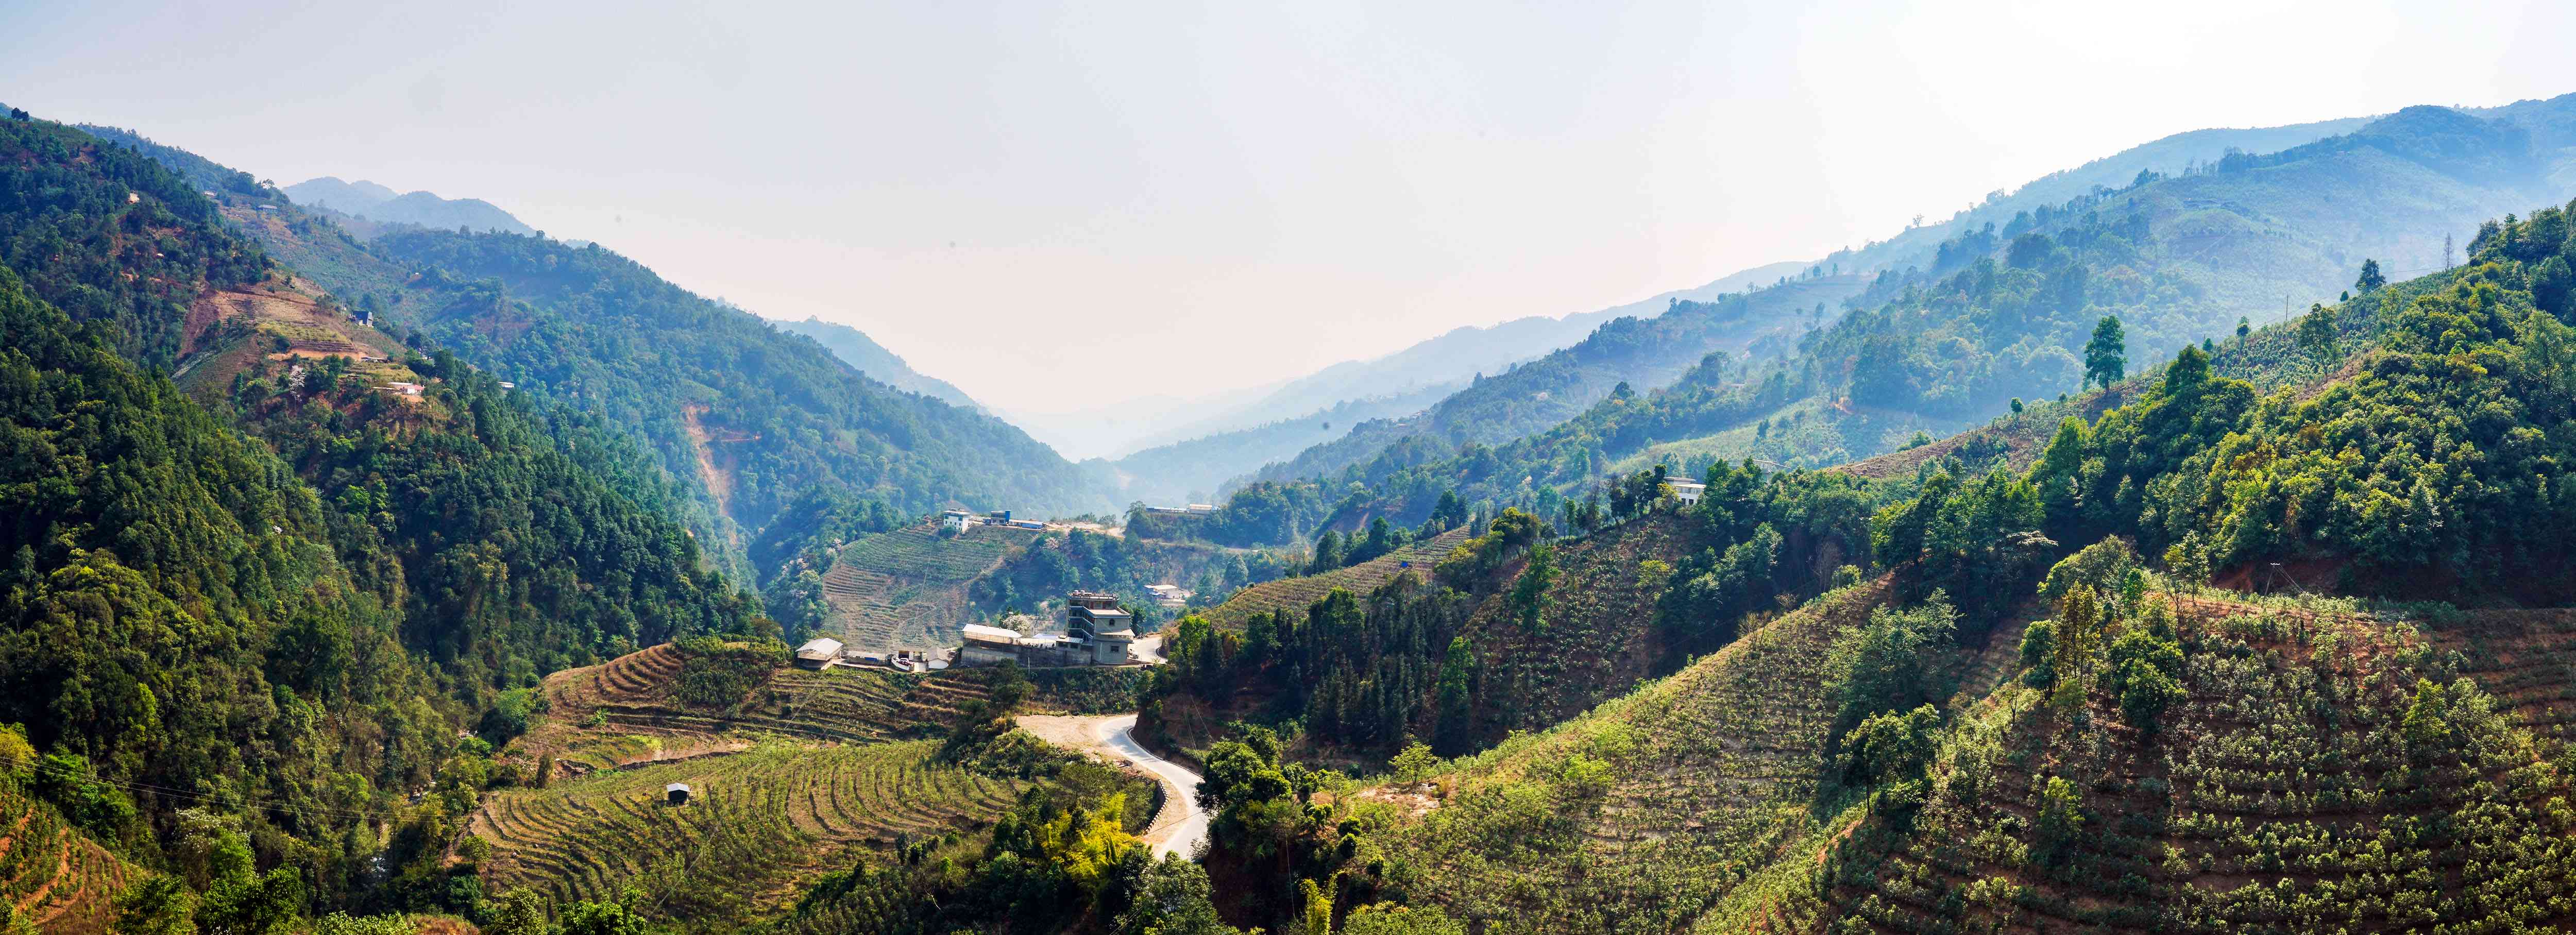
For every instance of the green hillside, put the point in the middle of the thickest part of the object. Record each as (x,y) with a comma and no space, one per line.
(1624,352)
(2006,313)
(1300,591)
(755,414)
(739,414)
(867,356)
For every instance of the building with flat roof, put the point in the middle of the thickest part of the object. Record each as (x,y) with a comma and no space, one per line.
(818,653)
(1688,490)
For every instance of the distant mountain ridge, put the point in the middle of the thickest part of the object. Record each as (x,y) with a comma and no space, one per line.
(1467,351)
(374,202)
(1451,360)
(2003,314)
(856,349)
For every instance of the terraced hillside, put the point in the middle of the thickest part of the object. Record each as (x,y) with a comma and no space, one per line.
(51,874)
(278,320)
(758,824)
(1601,635)
(907,588)
(1643,814)
(2326,771)
(623,711)
(1362,578)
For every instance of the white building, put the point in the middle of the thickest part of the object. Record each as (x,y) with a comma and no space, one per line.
(1169,595)
(818,653)
(1688,490)
(956,520)
(989,645)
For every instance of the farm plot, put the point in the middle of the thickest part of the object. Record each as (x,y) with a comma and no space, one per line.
(274,322)
(1362,578)
(2318,775)
(907,588)
(624,711)
(50,873)
(756,825)
(1703,779)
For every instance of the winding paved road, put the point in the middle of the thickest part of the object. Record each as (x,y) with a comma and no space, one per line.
(1181,825)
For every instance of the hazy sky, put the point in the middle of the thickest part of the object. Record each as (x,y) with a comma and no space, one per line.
(1172,199)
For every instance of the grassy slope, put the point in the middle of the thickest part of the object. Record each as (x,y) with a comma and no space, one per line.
(1303,590)
(1599,637)
(1709,778)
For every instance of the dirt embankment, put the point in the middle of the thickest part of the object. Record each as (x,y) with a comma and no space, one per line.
(1180,825)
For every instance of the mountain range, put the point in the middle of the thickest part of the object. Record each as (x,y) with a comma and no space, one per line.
(369,202)
(2181,543)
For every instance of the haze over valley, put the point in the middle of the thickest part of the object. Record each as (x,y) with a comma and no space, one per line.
(1060,470)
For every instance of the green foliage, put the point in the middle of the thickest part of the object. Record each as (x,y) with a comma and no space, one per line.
(155,905)
(68,226)
(2039,655)
(660,362)
(1888,663)
(2102,566)
(2106,354)
(2061,818)
(1890,746)
(1387,919)
(2144,671)
(510,556)
(173,613)
(1472,562)
(717,673)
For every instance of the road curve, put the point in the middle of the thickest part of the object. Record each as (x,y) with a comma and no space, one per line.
(1181,825)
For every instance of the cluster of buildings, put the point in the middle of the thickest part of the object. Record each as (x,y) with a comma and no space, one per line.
(1195,509)
(1096,633)
(961,520)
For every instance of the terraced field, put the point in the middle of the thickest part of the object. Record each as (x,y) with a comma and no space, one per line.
(2309,781)
(2527,658)
(907,588)
(280,311)
(53,875)
(758,824)
(1709,778)
(1358,579)
(638,719)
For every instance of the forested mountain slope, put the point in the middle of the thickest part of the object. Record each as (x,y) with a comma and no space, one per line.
(1191,471)
(1626,351)
(867,356)
(2010,312)
(177,618)
(736,412)
(2151,753)
(723,396)
(1450,360)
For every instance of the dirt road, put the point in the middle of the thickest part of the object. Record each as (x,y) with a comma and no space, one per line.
(1181,825)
